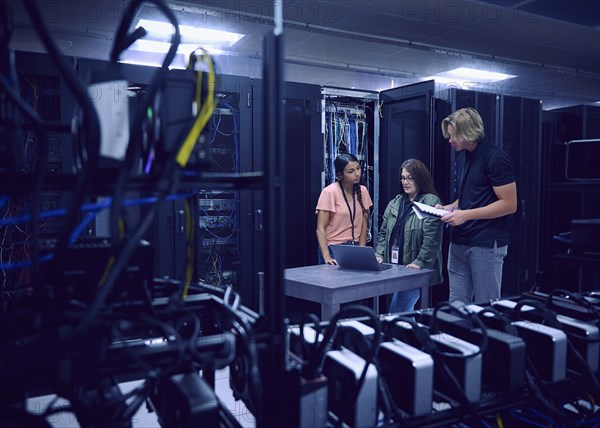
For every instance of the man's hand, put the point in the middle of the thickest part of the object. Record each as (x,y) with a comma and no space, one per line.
(455,218)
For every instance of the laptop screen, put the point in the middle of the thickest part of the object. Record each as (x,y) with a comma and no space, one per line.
(357,257)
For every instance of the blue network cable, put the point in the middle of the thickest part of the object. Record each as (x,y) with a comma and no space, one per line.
(24,263)
(81,226)
(91,209)
(528,421)
(24,218)
(3,200)
(541,415)
(352,136)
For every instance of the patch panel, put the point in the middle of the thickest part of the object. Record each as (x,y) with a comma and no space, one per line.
(220,151)
(213,222)
(217,242)
(216,204)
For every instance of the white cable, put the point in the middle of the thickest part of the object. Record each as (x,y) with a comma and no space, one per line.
(278,17)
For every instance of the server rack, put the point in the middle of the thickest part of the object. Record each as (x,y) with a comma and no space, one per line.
(350,123)
(565,200)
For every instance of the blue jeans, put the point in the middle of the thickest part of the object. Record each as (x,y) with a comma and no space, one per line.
(404,301)
(475,273)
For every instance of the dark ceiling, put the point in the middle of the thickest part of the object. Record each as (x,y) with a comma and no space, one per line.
(581,12)
(551,46)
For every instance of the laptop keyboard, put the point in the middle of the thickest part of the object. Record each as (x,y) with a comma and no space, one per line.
(384,266)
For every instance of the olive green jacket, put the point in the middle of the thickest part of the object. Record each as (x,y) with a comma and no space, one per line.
(422,237)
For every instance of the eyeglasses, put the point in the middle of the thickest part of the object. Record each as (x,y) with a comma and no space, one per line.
(403,179)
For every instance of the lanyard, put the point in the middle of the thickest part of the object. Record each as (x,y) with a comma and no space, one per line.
(352,214)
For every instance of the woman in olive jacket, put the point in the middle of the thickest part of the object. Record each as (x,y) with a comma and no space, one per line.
(406,239)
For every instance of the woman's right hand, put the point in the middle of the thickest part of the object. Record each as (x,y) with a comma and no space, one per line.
(331,262)
(379,259)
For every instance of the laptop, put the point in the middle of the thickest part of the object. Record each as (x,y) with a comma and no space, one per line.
(357,257)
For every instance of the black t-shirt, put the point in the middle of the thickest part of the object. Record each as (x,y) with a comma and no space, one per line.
(486,166)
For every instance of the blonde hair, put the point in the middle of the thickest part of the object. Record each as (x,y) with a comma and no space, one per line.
(467,125)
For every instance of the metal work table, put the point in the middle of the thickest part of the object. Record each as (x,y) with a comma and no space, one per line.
(331,285)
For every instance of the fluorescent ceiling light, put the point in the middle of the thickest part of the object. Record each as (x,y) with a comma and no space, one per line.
(149,62)
(464,74)
(191,34)
(163,47)
(464,77)
(476,75)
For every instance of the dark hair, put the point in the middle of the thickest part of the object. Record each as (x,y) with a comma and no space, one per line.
(421,175)
(340,163)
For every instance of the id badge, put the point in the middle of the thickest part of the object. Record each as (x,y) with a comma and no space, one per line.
(395,254)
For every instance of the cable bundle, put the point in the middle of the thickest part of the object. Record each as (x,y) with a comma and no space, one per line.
(346,132)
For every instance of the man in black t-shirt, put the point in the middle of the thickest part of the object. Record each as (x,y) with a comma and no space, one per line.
(487,195)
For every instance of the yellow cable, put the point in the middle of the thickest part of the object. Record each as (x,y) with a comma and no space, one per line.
(198,90)
(499,421)
(203,116)
(121,228)
(190,66)
(111,261)
(591,399)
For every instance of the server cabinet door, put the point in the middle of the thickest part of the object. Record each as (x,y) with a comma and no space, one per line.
(520,136)
(410,128)
(406,132)
(304,155)
(488,107)
(302,180)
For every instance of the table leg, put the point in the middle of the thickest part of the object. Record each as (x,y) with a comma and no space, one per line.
(328,311)
(424,302)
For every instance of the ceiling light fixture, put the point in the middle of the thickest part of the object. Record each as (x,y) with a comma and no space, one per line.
(464,76)
(189,34)
(147,62)
(163,47)
(157,42)
(477,75)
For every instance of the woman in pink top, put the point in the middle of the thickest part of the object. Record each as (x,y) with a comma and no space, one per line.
(343,208)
